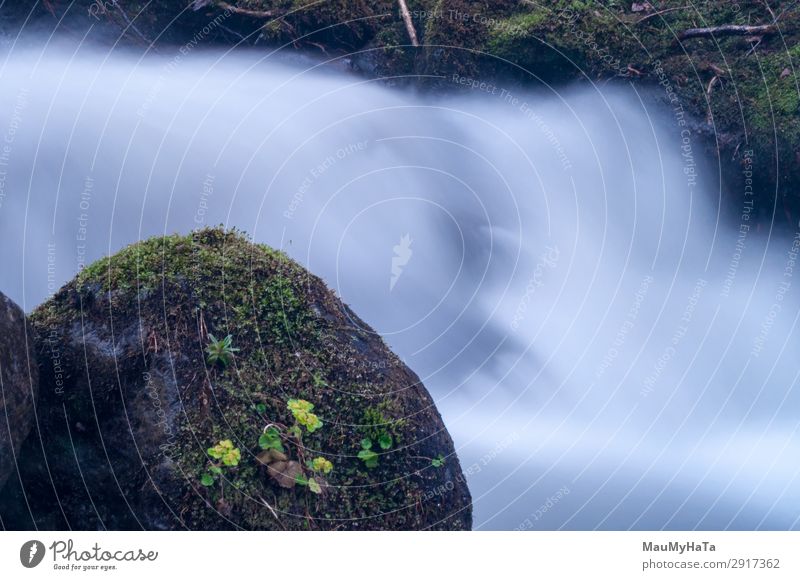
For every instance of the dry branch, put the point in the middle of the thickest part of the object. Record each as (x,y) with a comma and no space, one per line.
(246,11)
(412,33)
(728,30)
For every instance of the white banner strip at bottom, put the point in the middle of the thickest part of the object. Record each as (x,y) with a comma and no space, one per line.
(370,555)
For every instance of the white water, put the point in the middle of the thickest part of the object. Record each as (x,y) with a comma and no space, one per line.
(576,394)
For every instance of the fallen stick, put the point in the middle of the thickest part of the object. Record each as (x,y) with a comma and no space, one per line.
(242,11)
(412,33)
(728,30)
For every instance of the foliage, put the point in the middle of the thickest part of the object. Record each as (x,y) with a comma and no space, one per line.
(385,441)
(367,455)
(321,465)
(271,439)
(226,455)
(226,452)
(438,461)
(220,352)
(312,484)
(301,410)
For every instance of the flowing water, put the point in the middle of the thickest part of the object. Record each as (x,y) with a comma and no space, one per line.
(606,351)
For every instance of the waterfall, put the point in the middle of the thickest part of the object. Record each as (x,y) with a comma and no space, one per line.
(607,351)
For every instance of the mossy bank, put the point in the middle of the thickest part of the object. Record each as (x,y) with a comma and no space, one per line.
(206,382)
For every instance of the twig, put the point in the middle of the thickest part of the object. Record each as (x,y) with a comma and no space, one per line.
(274,513)
(246,11)
(130,24)
(318,45)
(771,13)
(710,115)
(728,30)
(719,72)
(412,33)
(226,29)
(784,11)
(673,9)
(754,47)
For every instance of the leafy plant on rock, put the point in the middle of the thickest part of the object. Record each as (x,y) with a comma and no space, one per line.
(321,465)
(290,473)
(225,454)
(367,455)
(220,352)
(271,439)
(303,416)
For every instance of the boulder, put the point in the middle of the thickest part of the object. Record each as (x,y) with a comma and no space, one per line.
(184,359)
(19,385)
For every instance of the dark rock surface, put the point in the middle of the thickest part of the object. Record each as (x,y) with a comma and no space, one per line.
(18,385)
(126,443)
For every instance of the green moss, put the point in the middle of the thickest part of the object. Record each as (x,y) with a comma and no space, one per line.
(377,422)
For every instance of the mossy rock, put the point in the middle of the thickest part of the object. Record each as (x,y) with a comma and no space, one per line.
(125,442)
(19,385)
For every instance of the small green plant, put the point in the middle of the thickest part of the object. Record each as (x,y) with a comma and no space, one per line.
(378,427)
(367,455)
(321,465)
(319,382)
(220,352)
(312,484)
(226,452)
(302,413)
(261,408)
(438,461)
(208,478)
(225,455)
(271,439)
(385,441)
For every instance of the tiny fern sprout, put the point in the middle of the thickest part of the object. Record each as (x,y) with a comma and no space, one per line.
(220,352)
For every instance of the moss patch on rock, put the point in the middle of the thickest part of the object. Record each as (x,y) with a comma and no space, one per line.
(133,438)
